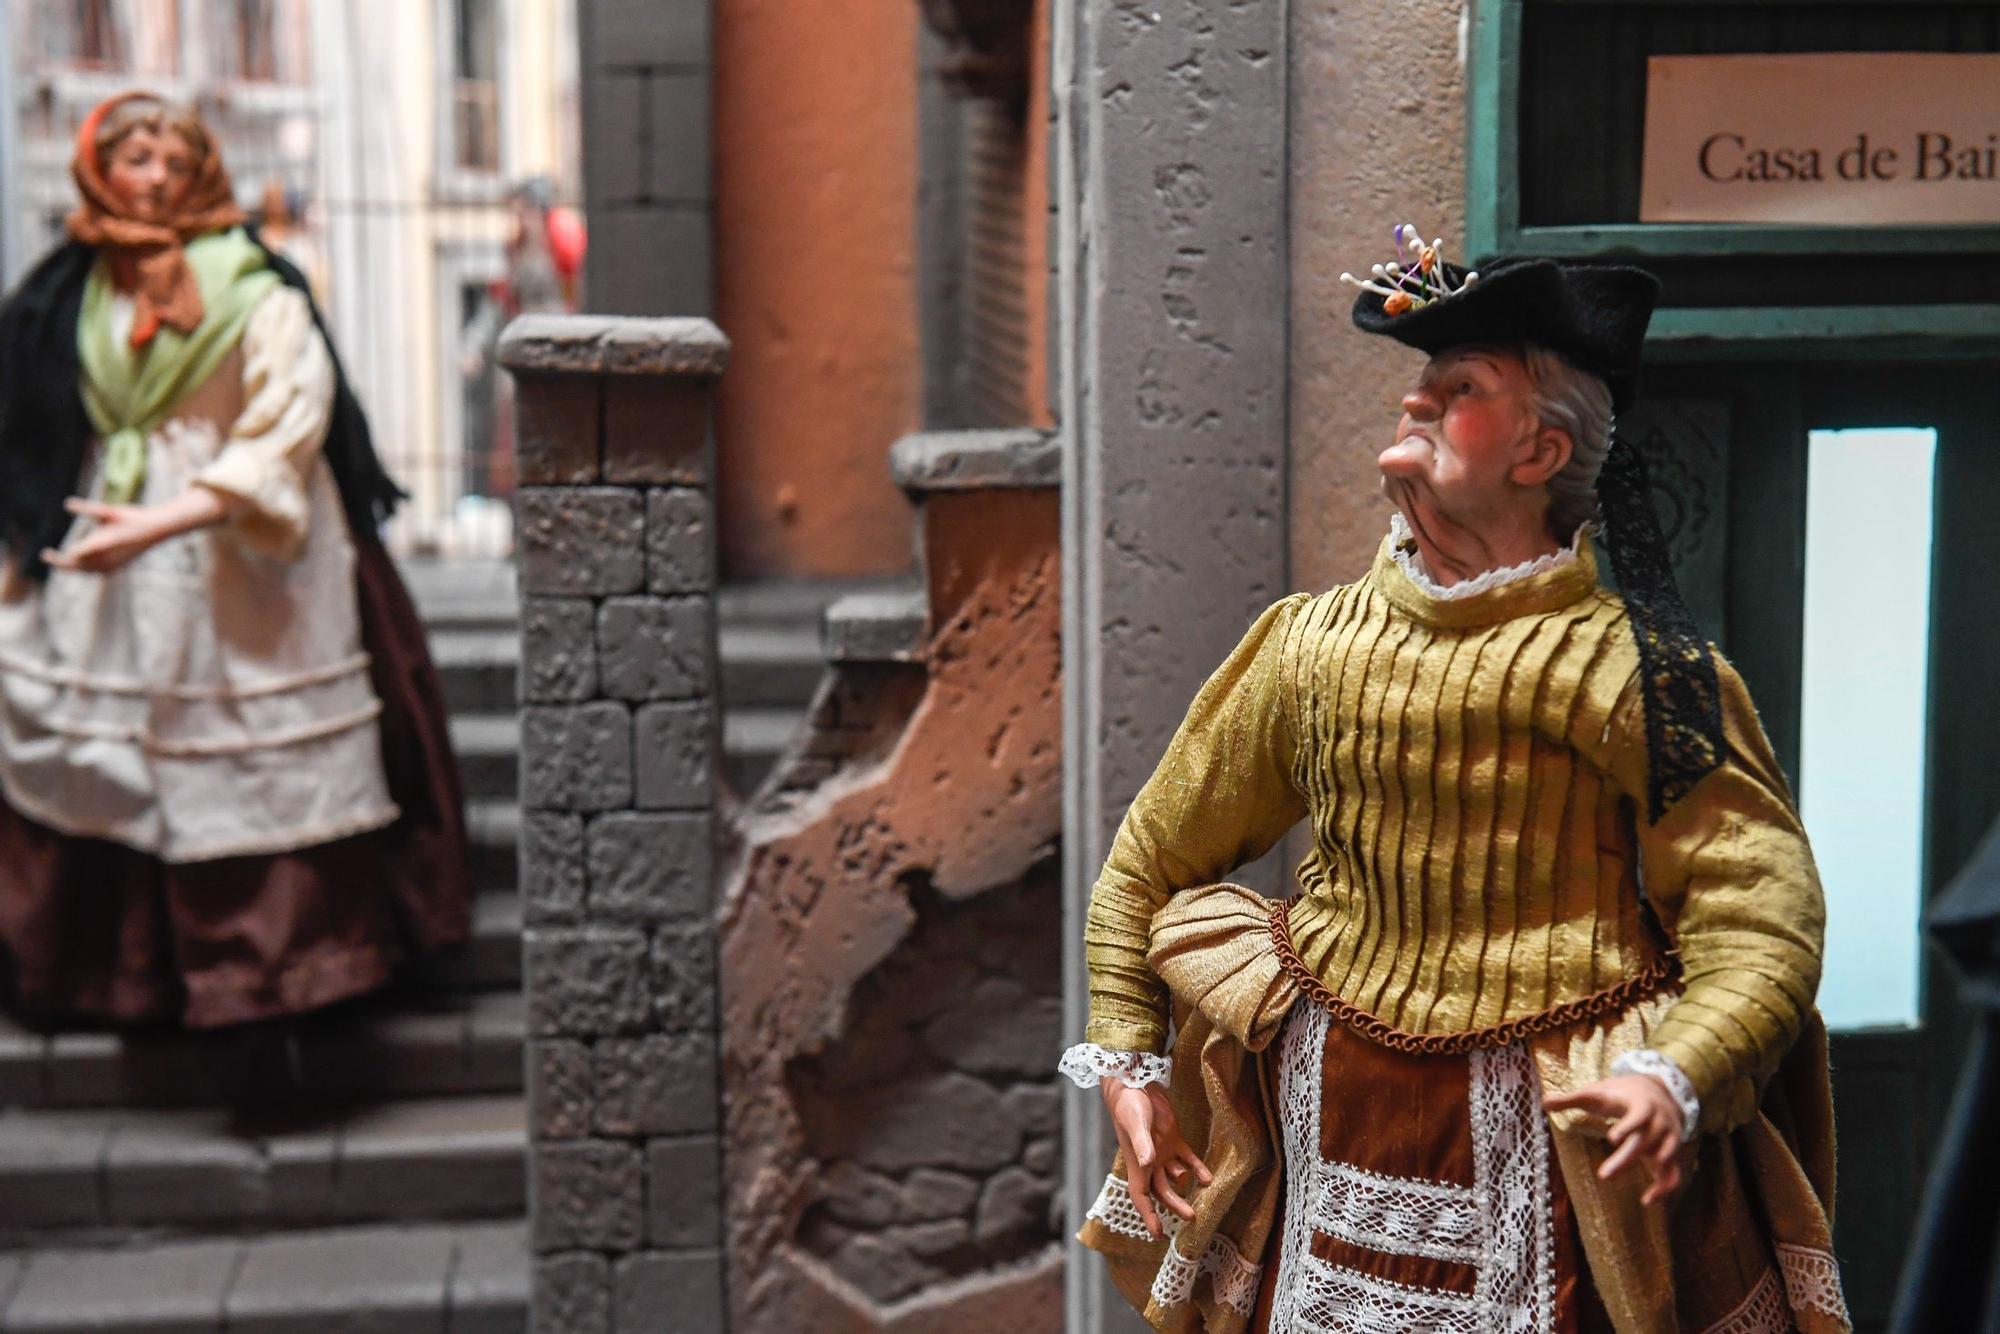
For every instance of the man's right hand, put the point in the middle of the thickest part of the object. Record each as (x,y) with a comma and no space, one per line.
(1156,1157)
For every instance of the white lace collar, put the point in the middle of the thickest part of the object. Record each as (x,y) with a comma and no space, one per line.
(1403,549)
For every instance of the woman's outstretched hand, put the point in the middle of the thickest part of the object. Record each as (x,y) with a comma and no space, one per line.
(1157,1159)
(1646,1126)
(125,532)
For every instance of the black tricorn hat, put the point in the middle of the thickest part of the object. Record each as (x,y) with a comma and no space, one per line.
(1593,314)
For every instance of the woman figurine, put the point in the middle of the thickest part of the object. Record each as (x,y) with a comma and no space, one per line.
(226,787)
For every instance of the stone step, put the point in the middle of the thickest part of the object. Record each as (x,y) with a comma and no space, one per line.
(888,625)
(488,746)
(752,741)
(463,594)
(478,668)
(406,1044)
(493,827)
(769,666)
(468,1278)
(786,602)
(1007,458)
(95,1172)
(490,960)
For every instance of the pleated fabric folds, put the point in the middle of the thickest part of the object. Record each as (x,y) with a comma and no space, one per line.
(1473,771)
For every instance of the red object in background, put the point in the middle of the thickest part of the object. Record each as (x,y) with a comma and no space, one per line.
(568,239)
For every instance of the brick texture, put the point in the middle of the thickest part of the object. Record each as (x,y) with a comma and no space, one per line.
(684,1192)
(618,792)
(588,1195)
(555,425)
(686,1283)
(650,868)
(572,1294)
(551,852)
(586,981)
(655,1086)
(581,541)
(673,747)
(655,648)
(558,650)
(680,541)
(576,758)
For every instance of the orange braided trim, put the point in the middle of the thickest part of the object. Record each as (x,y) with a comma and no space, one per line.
(1662,973)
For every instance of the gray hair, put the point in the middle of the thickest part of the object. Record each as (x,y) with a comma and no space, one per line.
(1578,403)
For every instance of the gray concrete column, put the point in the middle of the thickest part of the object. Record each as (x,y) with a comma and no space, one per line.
(1171,188)
(618,798)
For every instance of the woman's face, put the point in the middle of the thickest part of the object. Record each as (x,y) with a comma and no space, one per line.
(151,171)
(1467,425)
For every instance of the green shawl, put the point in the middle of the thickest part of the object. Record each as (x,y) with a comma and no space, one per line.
(129,392)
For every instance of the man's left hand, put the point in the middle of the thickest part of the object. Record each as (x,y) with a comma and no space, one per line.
(1646,1126)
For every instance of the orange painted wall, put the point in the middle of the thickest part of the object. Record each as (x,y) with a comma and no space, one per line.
(816,254)
(1035,205)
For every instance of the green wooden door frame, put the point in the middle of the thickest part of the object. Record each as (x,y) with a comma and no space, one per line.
(1892,1084)
(1493,228)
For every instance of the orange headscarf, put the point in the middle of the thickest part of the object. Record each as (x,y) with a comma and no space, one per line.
(166,292)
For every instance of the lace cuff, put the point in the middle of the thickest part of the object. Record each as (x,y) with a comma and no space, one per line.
(1088,1065)
(1661,1066)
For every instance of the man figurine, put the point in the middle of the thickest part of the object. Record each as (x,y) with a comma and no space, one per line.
(1534,1048)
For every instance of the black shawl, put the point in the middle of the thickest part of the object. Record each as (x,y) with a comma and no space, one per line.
(44,433)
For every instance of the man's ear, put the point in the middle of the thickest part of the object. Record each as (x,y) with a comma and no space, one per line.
(1548,453)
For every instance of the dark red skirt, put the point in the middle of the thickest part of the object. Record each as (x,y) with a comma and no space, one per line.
(94,931)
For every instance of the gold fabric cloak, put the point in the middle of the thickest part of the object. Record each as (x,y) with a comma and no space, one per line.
(1472,769)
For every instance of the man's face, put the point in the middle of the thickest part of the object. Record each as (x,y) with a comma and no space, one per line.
(151,171)
(1467,425)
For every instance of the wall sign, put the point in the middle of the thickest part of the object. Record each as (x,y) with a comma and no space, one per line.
(1833,138)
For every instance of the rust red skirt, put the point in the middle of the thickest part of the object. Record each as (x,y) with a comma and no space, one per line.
(1421,1193)
(94,931)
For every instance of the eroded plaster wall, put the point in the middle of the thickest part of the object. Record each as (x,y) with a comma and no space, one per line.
(1377,138)
(890,978)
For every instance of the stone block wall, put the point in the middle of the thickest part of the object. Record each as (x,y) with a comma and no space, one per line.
(647,75)
(619,737)
(932,1117)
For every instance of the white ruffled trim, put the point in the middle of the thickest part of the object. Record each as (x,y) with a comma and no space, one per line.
(1088,1065)
(1411,562)
(1232,1278)
(1661,1066)
(1812,1282)
(1114,1209)
(1762,1312)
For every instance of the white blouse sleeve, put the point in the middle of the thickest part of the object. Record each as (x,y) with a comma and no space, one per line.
(1089,1065)
(265,464)
(1680,1088)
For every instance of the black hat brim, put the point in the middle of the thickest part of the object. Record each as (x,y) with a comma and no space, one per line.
(1593,314)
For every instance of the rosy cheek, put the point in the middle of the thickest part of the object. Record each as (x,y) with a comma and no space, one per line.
(1477,429)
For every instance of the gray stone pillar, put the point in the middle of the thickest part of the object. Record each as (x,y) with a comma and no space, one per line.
(1171,297)
(646,73)
(616,542)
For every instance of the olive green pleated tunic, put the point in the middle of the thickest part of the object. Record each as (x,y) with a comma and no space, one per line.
(1473,771)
